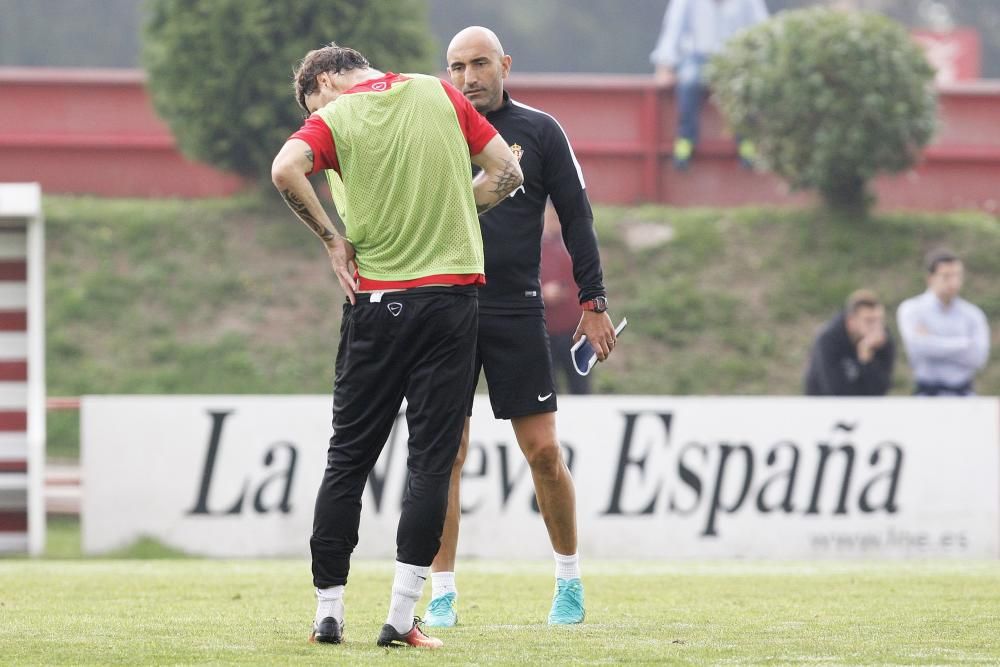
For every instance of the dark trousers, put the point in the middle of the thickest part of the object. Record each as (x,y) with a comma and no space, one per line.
(419,344)
(690,91)
(938,389)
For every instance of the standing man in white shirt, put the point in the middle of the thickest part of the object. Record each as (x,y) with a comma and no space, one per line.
(947,339)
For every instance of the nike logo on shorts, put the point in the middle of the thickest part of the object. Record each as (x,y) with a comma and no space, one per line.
(544,398)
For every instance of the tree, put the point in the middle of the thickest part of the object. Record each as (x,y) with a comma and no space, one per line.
(220,70)
(831,98)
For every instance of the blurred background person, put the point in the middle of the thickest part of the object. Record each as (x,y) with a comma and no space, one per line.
(562,307)
(853,354)
(947,339)
(693,31)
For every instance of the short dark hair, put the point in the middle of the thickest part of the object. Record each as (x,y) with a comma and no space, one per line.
(937,257)
(862,298)
(329,58)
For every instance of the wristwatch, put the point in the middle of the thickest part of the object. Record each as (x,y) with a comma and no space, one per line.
(598,304)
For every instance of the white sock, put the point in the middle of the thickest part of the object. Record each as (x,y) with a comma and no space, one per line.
(567,567)
(443,583)
(406,588)
(330,602)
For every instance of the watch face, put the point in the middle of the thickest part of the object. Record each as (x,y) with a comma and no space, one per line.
(600,304)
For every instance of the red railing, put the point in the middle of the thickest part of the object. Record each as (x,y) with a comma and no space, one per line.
(623,129)
(94,131)
(62,480)
(58,403)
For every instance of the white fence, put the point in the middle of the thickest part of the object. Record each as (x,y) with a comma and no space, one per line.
(656,477)
(22,369)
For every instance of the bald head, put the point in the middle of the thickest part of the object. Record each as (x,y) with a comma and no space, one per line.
(478,66)
(475,37)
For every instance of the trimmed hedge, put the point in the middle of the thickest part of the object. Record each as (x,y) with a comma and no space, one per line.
(831,98)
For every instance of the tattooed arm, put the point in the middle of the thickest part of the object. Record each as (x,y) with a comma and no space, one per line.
(500,175)
(288,173)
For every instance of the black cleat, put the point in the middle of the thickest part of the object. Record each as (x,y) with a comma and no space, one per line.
(415,637)
(327,631)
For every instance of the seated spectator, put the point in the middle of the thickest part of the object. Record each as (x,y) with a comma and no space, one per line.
(693,31)
(853,354)
(947,339)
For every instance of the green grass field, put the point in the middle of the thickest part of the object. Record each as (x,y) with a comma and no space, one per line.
(192,611)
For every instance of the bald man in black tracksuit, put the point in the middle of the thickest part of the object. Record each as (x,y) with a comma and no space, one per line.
(513,343)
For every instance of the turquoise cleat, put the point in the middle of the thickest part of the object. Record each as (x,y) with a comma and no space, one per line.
(567,603)
(442,612)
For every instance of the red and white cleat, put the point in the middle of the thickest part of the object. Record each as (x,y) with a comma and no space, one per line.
(415,637)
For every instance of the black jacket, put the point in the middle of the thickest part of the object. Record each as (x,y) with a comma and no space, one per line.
(512,231)
(834,369)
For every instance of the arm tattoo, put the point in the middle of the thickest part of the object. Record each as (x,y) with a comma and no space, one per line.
(311,157)
(299,209)
(503,184)
(506,180)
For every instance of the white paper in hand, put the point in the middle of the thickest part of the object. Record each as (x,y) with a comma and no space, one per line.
(583,353)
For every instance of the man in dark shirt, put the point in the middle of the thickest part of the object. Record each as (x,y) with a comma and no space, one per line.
(512,344)
(853,353)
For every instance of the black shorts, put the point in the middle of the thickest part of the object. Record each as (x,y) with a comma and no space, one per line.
(513,350)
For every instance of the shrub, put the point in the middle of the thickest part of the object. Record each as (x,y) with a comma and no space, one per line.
(830,98)
(220,70)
